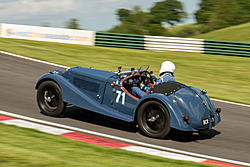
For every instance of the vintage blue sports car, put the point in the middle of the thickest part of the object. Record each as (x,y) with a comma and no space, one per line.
(166,105)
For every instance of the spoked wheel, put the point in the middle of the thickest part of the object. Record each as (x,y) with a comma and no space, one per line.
(153,119)
(49,99)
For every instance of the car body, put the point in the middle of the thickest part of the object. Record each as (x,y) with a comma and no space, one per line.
(167,105)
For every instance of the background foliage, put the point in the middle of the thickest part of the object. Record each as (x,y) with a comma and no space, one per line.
(211,15)
(136,21)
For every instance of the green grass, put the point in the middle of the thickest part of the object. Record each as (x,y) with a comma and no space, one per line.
(21,147)
(186,30)
(239,33)
(224,77)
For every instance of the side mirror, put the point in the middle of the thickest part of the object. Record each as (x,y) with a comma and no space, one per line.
(132,71)
(119,69)
(203,91)
(119,72)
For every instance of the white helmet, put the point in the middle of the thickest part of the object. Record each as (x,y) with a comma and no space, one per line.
(167,66)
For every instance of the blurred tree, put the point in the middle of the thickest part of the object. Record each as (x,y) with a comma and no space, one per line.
(137,22)
(240,11)
(156,29)
(223,13)
(169,11)
(73,23)
(204,13)
(136,9)
(45,24)
(123,13)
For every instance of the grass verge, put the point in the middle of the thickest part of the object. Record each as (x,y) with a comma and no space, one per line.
(239,33)
(224,77)
(187,30)
(26,147)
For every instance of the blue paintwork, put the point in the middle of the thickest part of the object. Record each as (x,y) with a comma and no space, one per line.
(91,89)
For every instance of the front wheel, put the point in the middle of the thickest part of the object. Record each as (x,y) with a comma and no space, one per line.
(49,99)
(153,119)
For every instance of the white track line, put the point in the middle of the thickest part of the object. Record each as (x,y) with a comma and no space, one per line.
(164,154)
(43,128)
(124,139)
(61,66)
(31,59)
(229,102)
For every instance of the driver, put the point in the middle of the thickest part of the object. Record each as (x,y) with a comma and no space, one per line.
(166,74)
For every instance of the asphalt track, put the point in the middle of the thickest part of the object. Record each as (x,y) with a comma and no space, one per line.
(230,139)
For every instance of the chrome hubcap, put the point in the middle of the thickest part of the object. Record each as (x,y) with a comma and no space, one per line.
(153,118)
(47,97)
(50,99)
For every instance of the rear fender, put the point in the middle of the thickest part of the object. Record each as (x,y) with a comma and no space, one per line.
(176,117)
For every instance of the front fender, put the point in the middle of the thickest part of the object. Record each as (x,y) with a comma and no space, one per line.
(72,95)
(176,116)
(46,77)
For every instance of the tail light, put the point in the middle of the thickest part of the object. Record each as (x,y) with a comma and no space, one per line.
(186,120)
(218,110)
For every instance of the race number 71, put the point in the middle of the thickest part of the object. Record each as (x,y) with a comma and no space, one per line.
(119,95)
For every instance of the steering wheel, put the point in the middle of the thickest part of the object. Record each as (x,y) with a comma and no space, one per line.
(146,78)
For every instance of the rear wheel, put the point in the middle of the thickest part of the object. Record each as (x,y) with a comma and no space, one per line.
(49,99)
(153,119)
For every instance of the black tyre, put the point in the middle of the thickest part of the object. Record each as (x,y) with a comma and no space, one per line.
(153,119)
(49,99)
